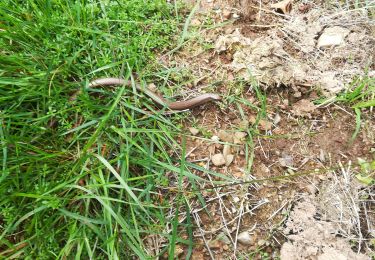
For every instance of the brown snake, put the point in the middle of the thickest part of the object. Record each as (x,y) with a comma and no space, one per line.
(178,105)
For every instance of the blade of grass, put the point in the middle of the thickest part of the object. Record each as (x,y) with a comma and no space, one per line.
(173,237)
(185,29)
(189,228)
(122,182)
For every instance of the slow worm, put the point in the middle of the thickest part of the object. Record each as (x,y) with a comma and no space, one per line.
(178,105)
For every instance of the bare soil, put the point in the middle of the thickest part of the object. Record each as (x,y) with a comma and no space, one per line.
(296,157)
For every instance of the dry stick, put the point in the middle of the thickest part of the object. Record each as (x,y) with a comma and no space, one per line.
(304,161)
(208,201)
(278,210)
(254,181)
(347,11)
(338,183)
(192,150)
(238,227)
(221,209)
(264,25)
(276,178)
(342,109)
(200,209)
(368,222)
(264,201)
(249,176)
(361,22)
(13,250)
(196,217)
(261,147)
(199,160)
(260,10)
(355,209)
(157,244)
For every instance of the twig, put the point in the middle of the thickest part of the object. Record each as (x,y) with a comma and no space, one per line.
(196,217)
(221,210)
(278,210)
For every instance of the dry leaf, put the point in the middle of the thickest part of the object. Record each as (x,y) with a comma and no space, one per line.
(284,6)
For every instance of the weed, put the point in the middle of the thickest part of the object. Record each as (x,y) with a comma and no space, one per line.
(360,95)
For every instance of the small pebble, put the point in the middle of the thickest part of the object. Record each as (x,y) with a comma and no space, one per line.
(225,136)
(239,137)
(244,238)
(152,87)
(215,138)
(297,94)
(223,238)
(236,199)
(264,125)
(235,16)
(214,244)
(286,160)
(244,124)
(261,242)
(193,130)
(311,189)
(218,159)
(332,36)
(226,150)
(322,156)
(229,159)
(276,119)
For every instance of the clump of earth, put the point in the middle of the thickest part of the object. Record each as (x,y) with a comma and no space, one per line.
(317,48)
(322,223)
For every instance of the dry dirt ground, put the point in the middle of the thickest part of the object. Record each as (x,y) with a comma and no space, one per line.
(301,198)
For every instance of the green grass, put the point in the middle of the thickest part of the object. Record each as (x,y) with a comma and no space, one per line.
(360,96)
(83,179)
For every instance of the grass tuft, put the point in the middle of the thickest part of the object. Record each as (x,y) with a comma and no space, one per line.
(83,179)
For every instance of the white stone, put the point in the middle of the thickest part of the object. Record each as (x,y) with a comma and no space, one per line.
(193,130)
(333,36)
(218,159)
(225,136)
(244,238)
(239,137)
(229,159)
